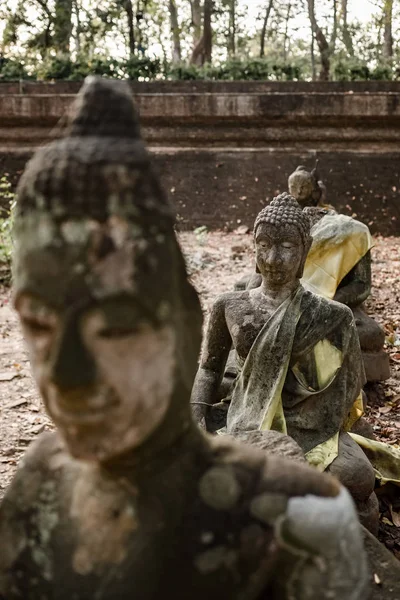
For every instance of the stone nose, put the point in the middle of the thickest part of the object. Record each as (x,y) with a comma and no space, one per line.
(72,365)
(273,256)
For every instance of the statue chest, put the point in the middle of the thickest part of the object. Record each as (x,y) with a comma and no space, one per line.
(114,545)
(245,325)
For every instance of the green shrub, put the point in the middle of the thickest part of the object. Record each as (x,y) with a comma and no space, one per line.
(12,70)
(55,68)
(256,69)
(142,68)
(351,70)
(7,200)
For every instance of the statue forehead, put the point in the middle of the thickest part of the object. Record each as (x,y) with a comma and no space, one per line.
(301,174)
(277,231)
(82,258)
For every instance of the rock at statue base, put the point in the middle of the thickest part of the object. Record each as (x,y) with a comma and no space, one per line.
(376,365)
(384,570)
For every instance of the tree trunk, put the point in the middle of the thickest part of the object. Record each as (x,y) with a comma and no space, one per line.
(388,29)
(62,26)
(195,7)
(348,42)
(264,27)
(202,52)
(285,39)
(313,69)
(322,43)
(232,29)
(141,10)
(128,7)
(334,27)
(78,26)
(176,33)
(207,30)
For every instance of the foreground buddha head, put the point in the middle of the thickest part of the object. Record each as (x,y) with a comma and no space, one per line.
(305,187)
(282,241)
(112,325)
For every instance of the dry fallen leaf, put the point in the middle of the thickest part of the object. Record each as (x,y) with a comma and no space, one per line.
(377,579)
(7,375)
(395,516)
(16,403)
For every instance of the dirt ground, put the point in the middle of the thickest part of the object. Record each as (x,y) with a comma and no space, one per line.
(215,261)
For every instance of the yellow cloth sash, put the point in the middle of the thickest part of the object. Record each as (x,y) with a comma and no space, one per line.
(384,458)
(339,243)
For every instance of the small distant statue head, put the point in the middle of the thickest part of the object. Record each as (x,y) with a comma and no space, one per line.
(112,324)
(306,187)
(282,241)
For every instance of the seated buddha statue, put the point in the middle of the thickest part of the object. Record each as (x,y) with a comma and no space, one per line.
(338,265)
(298,357)
(129,498)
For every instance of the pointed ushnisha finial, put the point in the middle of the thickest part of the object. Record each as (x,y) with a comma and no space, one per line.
(104,107)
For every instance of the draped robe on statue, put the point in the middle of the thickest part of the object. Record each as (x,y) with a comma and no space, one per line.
(302,376)
(339,243)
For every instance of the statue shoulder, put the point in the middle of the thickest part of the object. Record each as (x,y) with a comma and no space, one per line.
(324,309)
(41,466)
(229,299)
(44,454)
(30,508)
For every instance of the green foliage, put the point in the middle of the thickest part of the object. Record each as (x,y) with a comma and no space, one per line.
(142,68)
(56,68)
(7,202)
(238,70)
(353,70)
(12,70)
(68,39)
(201,234)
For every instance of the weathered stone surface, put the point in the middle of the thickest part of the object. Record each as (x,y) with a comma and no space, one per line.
(384,570)
(274,443)
(377,366)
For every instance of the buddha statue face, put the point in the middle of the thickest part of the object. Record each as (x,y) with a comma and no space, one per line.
(102,300)
(103,361)
(282,241)
(305,187)
(279,253)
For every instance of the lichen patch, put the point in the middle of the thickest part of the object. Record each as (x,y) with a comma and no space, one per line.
(219,488)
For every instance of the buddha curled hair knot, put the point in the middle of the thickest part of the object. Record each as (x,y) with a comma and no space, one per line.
(99,167)
(285,211)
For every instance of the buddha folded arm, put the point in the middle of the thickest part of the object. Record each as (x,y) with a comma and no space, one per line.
(214,356)
(355,287)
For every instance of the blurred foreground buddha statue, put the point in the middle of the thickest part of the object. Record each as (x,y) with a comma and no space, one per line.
(129,499)
(338,265)
(297,356)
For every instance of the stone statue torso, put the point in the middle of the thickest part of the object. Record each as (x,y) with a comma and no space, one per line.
(246,314)
(107,536)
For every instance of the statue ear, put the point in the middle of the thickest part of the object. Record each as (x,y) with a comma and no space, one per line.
(303,262)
